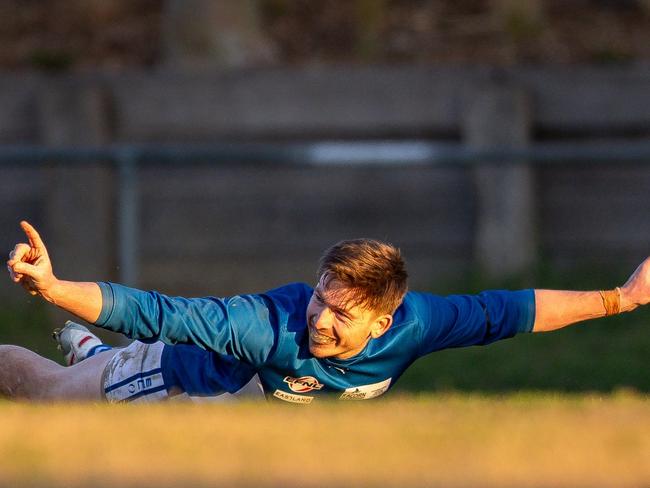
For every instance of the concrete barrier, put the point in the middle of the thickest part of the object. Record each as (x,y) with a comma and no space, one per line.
(226,229)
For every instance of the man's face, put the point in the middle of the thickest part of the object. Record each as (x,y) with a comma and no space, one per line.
(337,327)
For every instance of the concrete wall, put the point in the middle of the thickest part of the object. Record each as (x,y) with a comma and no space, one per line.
(257,227)
(218,229)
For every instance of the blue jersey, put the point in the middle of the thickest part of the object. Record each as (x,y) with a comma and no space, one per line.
(267,333)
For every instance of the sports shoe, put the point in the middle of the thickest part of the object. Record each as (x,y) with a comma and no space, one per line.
(75,341)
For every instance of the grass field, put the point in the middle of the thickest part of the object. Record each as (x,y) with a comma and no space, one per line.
(451,440)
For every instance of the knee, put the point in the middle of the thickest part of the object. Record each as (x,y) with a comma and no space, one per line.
(11,377)
(11,355)
(24,374)
(7,348)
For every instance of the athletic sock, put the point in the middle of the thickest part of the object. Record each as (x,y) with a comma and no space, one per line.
(97,349)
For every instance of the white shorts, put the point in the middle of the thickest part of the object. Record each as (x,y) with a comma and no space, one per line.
(134,374)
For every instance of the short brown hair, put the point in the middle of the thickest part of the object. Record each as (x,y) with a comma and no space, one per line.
(373,271)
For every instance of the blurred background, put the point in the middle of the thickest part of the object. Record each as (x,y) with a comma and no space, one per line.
(217,147)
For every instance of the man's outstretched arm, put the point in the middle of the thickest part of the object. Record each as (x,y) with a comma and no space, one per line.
(556,309)
(208,322)
(30,266)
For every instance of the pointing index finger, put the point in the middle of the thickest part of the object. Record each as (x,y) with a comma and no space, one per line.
(35,240)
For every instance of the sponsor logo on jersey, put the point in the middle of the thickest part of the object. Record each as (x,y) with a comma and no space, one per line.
(141,384)
(290,397)
(366,392)
(303,384)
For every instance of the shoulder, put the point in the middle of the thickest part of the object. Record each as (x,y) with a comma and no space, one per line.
(292,293)
(288,308)
(419,305)
(416,311)
(288,304)
(427,312)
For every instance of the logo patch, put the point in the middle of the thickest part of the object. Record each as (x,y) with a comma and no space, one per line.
(303,384)
(366,392)
(141,384)
(290,397)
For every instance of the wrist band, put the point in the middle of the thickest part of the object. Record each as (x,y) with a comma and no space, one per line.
(611,301)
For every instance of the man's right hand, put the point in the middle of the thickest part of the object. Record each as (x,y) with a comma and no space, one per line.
(29,264)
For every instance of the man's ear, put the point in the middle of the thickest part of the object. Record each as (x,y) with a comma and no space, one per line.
(381,325)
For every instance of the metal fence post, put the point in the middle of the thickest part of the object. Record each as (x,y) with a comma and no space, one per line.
(127,218)
(499,118)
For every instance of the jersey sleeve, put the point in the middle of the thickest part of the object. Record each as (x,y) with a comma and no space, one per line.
(239,326)
(467,320)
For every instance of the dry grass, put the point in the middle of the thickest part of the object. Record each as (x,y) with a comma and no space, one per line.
(444,440)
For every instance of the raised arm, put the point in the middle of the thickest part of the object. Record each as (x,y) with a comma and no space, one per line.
(239,326)
(29,265)
(556,309)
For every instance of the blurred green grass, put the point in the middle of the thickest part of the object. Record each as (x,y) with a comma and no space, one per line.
(27,323)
